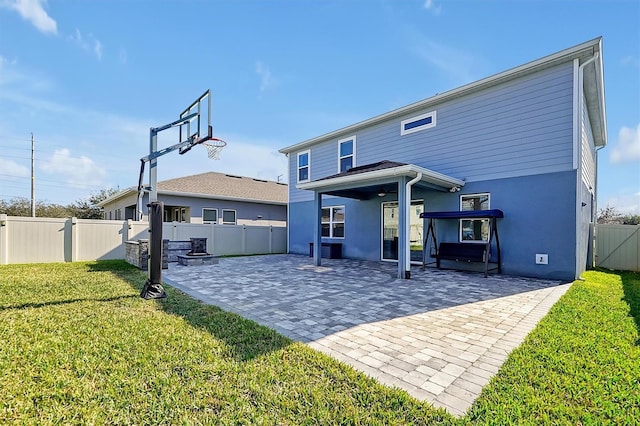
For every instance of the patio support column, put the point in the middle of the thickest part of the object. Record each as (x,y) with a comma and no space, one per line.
(317,229)
(402,228)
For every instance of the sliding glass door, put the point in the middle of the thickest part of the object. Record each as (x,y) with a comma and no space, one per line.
(390,231)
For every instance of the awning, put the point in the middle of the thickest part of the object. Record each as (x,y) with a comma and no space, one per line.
(365,181)
(471,214)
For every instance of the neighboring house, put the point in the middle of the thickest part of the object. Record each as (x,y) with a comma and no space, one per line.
(209,198)
(524,141)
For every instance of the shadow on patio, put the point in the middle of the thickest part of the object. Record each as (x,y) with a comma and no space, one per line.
(306,302)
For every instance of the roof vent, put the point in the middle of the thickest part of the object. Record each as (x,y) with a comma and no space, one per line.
(260,180)
(234,176)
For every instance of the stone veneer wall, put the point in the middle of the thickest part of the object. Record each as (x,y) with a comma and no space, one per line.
(137,253)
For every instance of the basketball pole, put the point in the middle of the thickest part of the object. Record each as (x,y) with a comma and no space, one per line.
(152,288)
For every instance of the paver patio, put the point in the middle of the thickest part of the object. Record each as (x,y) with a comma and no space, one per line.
(440,336)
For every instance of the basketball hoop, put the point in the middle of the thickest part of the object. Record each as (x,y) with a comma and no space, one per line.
(214,147)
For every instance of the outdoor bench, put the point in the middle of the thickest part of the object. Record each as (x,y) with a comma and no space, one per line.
(461,252)
(328,250)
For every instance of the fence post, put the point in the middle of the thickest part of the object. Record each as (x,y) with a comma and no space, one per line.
(127,230)
(4,236)
(270,239)
(244,239)
(74,239)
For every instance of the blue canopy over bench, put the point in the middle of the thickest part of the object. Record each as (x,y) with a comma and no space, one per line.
(463,251)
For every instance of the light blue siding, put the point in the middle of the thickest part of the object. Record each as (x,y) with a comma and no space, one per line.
(517,128)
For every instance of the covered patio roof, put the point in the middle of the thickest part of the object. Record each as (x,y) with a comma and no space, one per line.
(365,182)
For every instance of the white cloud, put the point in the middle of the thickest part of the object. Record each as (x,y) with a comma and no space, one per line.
(33,11)
(625,203)
(13,169)
(631,61)
(457,63)
(627,147)
(430,5)
(97,48)
(266,79)
(79,171)
(88,43)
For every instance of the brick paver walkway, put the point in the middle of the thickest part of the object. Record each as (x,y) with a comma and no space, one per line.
(440,336)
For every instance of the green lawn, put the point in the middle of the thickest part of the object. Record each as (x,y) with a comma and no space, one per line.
(77,345)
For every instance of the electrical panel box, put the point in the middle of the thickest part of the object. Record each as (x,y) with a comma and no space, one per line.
(542,259)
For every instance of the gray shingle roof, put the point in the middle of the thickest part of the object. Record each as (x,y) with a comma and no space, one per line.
(226,185)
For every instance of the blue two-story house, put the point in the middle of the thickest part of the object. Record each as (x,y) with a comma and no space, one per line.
(523,141)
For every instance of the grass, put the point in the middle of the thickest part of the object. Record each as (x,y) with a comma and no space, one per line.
(77,345)
(581,364)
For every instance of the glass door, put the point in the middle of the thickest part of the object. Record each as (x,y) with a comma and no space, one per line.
(390,230)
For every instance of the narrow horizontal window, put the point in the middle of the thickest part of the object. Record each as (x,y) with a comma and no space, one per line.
(416,124)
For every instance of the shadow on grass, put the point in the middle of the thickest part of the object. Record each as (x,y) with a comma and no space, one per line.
(63,302)
(245,338)
(631,287)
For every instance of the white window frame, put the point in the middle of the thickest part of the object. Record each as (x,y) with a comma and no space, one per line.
(332,222)
(479,194)
(235,215)
(215,222)
(308,166)
(352,155)
(431,114)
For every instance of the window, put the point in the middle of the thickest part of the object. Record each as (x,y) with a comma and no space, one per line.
(303,166)
(210,216)
(415,124)
(346,154)
(228,217)
(333,222)
(474,229)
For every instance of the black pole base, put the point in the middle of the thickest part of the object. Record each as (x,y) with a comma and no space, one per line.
(152,291)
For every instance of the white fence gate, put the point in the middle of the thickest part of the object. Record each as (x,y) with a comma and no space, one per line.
(42,240)
(618,247)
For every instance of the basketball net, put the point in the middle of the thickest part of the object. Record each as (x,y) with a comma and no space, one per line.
(214,147)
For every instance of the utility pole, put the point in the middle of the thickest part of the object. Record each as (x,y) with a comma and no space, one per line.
(33,178)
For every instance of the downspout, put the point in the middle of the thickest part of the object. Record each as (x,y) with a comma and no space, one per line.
(407,230)
(579,124)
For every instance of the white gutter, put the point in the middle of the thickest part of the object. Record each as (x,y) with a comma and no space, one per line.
(407,222)
(578,157)
(409,169)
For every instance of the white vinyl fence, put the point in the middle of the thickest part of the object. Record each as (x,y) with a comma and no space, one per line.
(618,247)
(42,240)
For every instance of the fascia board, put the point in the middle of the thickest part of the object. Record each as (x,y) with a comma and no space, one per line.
(408,170)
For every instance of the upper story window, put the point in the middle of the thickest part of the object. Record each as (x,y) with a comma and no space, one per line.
(346,154)
(209,215)
(474,230)
(415,124)
(304,159)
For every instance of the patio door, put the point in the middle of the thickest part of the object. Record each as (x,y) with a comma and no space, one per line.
(390,231)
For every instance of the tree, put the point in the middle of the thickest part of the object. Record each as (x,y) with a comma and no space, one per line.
(612,216)
(20,206)
(609,215)
(88,208)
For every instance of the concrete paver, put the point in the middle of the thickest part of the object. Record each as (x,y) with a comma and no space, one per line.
(440,336)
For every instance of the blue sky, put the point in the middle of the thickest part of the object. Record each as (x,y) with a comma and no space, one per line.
(90,78)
